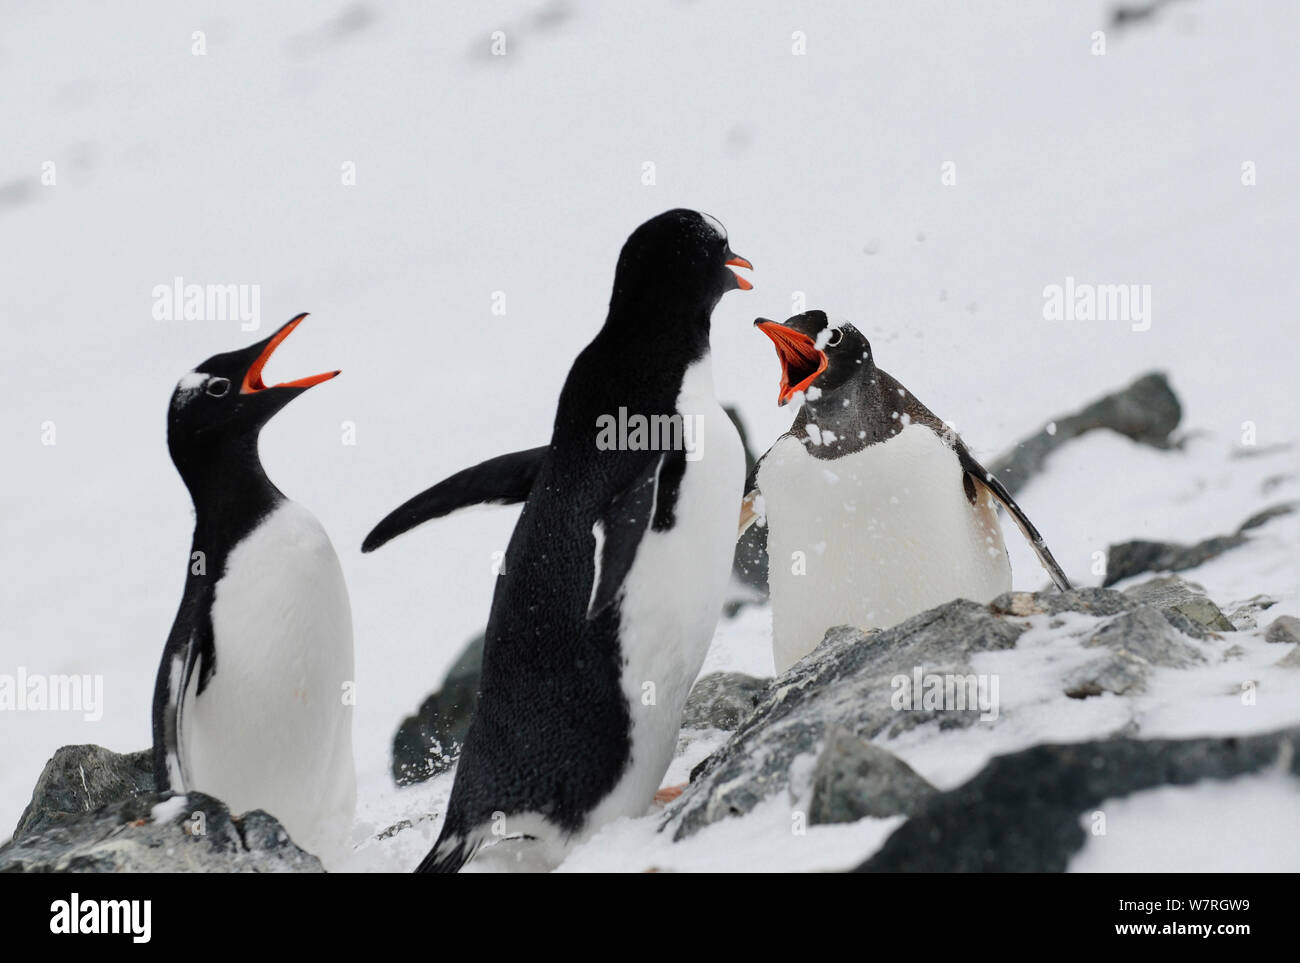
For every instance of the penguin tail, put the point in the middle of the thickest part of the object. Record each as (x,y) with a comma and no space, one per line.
(448,855)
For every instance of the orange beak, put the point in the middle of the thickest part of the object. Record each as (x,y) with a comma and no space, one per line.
(253,377)
(801,361)
(737,261)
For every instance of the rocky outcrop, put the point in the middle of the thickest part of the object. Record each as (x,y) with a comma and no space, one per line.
(429,741)
(1135,642)
(1175,596)
(855,778)
(96,811)
(160,833)
(81,779)
(1133,558)
(860,686)
(722,700)
(848,682)
(1025,812)
(1147,411)
(1283,629)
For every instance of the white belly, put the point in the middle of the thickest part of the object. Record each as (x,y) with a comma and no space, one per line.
(271,730)
(674,594)
(872,538)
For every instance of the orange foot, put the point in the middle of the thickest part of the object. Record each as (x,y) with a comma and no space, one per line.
(666,795)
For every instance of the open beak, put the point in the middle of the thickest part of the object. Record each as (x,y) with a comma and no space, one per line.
(253,376)
(738,261)
(801,360)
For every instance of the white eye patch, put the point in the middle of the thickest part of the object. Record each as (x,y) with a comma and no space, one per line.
(829,337)
(192,381)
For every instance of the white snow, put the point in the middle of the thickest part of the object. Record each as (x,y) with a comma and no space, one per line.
(1247,825)
(169,809)
(522,175)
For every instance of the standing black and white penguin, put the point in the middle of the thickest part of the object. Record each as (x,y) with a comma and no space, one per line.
(875,509)
(615,573)
(249,703)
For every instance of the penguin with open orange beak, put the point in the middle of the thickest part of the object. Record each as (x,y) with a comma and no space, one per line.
(247,703)
(875,509)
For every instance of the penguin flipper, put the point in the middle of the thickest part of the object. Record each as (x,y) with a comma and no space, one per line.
(749,514)
(982,478)
(504,480)
(751,506)
(181,658)
(648,502)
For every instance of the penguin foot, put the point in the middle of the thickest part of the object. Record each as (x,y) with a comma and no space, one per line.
(668,793)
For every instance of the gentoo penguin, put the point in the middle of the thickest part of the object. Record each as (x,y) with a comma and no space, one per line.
(875,509)
(249,704)
(615,573)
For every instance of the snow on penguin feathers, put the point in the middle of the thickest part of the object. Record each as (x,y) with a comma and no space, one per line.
(883,503)
(562,740)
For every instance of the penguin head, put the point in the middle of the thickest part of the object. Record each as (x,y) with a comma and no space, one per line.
(680,259)
(814,351)
(225,399)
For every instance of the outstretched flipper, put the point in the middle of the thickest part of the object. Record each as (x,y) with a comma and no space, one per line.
(649,502)
(980,477)
(504,480)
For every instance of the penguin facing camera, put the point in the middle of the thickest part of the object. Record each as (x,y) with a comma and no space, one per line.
(875,509)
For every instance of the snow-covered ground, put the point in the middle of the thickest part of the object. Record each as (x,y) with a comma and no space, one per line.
(523,174)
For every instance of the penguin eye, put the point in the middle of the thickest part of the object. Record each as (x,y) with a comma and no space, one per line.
(218,387)
(836,337)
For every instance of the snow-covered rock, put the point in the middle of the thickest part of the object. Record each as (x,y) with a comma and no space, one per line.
(1034,810)
(96,811)
(80,779)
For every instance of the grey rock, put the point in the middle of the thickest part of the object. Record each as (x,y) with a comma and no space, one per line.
(126,836)
(1137,641)
(845,682)
(428,742)
(1290,661)
(722,700)
(1260,451)
(1267,515)
(1086,601)
(1120,675)
(1273,482)
(1024,812)
(81,779)
(854,778)
(1133,558)
(1245,615)
(1172,594)
(1164,591)
(1147,411)
(1285,628)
